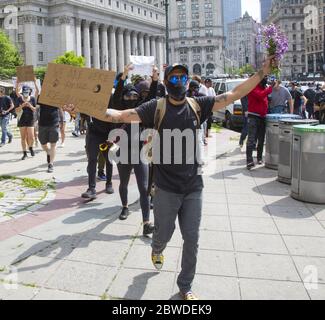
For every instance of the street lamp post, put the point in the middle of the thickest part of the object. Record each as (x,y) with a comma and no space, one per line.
(166,4)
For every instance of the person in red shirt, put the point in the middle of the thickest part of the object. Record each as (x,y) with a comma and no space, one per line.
(257,110)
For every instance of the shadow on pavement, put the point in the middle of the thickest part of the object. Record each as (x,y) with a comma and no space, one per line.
(139,285)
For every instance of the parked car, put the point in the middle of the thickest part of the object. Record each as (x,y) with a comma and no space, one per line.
(231,116)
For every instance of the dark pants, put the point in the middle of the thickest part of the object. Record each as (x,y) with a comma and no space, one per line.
(141,172)
(244,131)
(209,125)
(188,209)
(256,130)
(92,146)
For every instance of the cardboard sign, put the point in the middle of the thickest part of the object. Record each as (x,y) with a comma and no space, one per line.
(29,84)
(25,73)
(142,65)
(88,89)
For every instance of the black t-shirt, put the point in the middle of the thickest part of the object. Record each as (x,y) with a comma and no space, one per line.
(5,103)
(296,96)
(181,178)
(28,114)
(48,116)
(319,99)
(310,96)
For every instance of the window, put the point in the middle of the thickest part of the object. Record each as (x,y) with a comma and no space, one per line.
(41,56)
(39,21)
(20,37)
(40,38)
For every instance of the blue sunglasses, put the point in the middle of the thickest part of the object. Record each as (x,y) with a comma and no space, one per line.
(176,79)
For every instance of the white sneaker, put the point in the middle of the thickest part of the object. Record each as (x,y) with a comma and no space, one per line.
(62,145)
(2,145)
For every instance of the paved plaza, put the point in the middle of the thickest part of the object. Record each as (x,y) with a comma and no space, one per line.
(256,242)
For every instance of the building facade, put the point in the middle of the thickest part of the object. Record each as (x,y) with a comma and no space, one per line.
(289,16)
(196,35)
(315,39)
(231,11)
(105,32)
(242,49)
(265,9)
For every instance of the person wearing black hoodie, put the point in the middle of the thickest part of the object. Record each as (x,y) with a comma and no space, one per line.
(130,98)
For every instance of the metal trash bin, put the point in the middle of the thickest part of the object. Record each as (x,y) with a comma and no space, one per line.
(308,163)
(285,147)
(272,138)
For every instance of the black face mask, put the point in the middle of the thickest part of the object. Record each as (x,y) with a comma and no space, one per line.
(178,93)
(129,104)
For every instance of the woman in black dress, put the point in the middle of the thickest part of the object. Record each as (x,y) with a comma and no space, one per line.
(26,117)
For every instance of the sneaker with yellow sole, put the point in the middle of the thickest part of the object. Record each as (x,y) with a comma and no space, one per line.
(157,260)
(189,296)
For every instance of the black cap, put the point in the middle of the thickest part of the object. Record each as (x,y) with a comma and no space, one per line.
(173,67)
(294,83)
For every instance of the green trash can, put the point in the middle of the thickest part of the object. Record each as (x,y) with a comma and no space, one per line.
(308,163)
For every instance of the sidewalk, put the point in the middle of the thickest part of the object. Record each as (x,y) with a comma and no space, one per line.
(256,242)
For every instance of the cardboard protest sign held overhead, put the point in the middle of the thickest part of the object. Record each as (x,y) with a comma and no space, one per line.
(29,84)
(25,73)
(88,89)
(142,65)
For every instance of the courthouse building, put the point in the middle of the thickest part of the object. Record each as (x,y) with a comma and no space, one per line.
(105,32)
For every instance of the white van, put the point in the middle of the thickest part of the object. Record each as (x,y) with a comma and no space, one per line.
(232,115)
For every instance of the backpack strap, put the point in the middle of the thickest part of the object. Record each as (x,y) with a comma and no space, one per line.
(196,109)
(160,113)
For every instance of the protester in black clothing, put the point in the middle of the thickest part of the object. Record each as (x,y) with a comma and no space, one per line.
(320,105)
(310,94)
(48,132)
(244,132)
(6,106)
(129,98)
(26,117)
(179,186)
(299,100)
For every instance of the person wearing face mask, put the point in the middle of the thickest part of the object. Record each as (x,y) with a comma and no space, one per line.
(26,111)
(257,111)
(179,187)
(130,98)
(6,106)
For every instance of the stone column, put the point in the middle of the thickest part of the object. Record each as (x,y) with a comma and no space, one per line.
(120,50)
(127,39)
(112,49)
(134,44)
(78,36)
(96,52)
(160,52)
(146,45)
(31,55)
(153,51)
(141,45)
(86,38)
(104,47)
(66,35)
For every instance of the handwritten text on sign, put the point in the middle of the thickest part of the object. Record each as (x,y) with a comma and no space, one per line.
(88,89)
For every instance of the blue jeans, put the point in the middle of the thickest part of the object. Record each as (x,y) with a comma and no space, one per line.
(277,109)
(4,121)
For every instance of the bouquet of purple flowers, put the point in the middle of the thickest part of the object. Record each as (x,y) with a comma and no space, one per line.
(276,44)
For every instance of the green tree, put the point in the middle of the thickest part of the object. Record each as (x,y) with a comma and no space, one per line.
(9,57)
(71,59)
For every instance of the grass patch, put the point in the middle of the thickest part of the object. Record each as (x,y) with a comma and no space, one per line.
(29,285)
(2,195)
(216,127)
(104,296)
(4,177)
(2,269)
(34,183)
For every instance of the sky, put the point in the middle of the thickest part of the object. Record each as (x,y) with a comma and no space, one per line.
(253,8)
